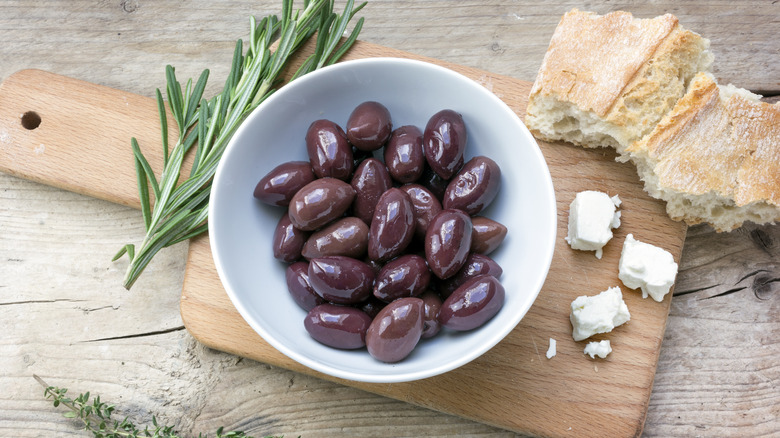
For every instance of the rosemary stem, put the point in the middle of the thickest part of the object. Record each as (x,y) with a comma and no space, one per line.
(180,210)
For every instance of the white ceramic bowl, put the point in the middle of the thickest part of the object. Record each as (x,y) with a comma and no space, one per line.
(241,228)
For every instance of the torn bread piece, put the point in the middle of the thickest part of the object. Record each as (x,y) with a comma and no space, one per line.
(606,80)
(715,157)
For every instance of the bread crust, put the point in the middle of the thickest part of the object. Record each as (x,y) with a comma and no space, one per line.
(607,80)
(718,153)
(592,58)
(689,150)
(757,124)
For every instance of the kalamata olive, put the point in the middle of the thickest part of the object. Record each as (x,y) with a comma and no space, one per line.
(447,242)
(472,304)
(406,276)
(329,151)
(425,206)
(431,324)
(319,203)
(337,326)
(487,235)
(279,185)
(476,264)
(370,181)
(392,227)
(297,276)
(288,240)
(369,126)
(345,237)
(396,330)
(474,187)
(444,142)
(404,154)
(341,280)
(433,182)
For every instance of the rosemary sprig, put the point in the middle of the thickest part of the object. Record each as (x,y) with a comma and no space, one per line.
(95,417)
(180,210)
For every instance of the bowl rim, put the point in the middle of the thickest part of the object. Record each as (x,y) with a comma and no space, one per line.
(545,256)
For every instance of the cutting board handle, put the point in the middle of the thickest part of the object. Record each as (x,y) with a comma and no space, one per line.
(75,135)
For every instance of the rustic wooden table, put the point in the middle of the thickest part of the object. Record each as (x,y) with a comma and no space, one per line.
(66,317)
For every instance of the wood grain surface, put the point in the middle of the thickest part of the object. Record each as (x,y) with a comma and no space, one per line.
(68,319)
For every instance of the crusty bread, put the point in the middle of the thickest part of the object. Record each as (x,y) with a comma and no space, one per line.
(607,80)
(642,86)
(715,157)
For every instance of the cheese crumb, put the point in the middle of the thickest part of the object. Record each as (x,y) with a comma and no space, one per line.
(598,314)
(551,351)
(648,267)
(592,216)
(600,349)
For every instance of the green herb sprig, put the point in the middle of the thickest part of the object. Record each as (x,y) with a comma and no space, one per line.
(180,211)
(95,417)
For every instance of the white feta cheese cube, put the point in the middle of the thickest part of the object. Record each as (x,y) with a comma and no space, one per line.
(648,267)
(600,349)
(592,216)
(598,314)
(551,351)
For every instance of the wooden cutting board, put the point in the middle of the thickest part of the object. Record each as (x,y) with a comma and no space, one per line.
(82,144)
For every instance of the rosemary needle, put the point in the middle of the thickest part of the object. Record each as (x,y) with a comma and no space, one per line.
(180,210)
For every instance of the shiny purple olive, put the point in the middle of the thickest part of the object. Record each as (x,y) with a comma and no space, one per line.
(487,236)
(297,276)
(444,142)
(425,206)
(319,203)
(406,276)
(404,154)
(392,227)
(288,240)
(431,324)
(370,181)
(341,280)
(396,330)
(337,326)
(474,187)
(279,185)
(345,237)
(329,151)
(476,264)
(369,126)
(447,242)
(472,304)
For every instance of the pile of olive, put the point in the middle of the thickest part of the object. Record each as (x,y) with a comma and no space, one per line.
(385,253)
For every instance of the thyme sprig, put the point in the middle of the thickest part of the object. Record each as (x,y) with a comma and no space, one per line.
(95,417)
(180,211)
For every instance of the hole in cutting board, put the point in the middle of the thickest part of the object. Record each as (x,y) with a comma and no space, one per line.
(31,120)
